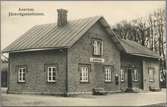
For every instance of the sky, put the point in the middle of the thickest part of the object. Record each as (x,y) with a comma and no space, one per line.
(12,27)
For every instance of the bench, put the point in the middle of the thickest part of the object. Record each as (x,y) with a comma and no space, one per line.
(99,91)
(154,89)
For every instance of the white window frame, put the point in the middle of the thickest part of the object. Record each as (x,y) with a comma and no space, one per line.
(151,76)
(108,74)
(97,47)
(135,75)
(84,73)
(21,74)
(50,75)
(122,75)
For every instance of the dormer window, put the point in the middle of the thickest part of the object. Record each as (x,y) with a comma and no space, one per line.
(97,47)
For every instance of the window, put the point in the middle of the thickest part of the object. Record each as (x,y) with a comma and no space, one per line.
(97,47)
(84,73)
(51,74)
(108,74)
(135,75)
(151,74)
(122,75)
(21,74)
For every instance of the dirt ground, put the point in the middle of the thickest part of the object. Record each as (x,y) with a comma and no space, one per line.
(118,99)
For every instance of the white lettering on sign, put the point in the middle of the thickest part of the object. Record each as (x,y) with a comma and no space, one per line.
(97,60)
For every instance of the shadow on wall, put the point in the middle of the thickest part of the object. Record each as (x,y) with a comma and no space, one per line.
(4,69)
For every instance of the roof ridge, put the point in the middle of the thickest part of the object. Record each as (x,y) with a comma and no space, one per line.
(70,20)
(136,44)
(35,36)
(138,48)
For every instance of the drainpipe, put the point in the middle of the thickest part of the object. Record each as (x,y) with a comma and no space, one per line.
(66,81)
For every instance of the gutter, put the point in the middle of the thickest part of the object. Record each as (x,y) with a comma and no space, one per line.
(148,56)
(33,49)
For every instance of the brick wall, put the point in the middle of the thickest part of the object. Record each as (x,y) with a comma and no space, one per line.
(81,53)
(142,64)
(129,61)
(151,63)
(36,81)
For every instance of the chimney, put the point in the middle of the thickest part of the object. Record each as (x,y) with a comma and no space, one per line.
(62,17)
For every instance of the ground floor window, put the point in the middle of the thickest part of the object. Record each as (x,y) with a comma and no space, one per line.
(51,74)
(151,74)
(84,72)
(122,75)
(21,74)
(108,73)
(135,75)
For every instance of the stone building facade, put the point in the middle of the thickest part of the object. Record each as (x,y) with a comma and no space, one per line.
(74,57)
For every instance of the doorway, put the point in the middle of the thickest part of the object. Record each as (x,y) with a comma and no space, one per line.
(98,68)
(129,78)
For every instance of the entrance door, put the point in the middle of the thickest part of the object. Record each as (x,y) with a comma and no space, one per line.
(99,78)
(129,78)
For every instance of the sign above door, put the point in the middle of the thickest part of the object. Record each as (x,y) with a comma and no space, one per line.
(100,60)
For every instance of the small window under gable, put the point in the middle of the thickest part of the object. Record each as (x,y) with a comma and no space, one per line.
(97,47)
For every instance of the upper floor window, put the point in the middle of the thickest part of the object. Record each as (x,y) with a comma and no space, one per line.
(84,72)
(122,75)
(97,47)
(151,74)
(21,74)
(108,73)
(135,75)
(51,74)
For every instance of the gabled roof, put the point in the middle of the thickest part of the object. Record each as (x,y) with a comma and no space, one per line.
(135,48)
(48,36)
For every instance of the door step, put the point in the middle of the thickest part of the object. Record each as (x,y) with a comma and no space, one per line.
(133,90)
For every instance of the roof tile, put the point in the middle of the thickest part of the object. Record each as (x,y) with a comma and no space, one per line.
(48,36)
(52,36)
(135,48)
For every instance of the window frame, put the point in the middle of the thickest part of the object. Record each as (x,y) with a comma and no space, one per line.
(101,47)
(46,68)
(81,73)
(122,74)
(135,78)
(23,74)
(153,73)
(108,75)
(51,72)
